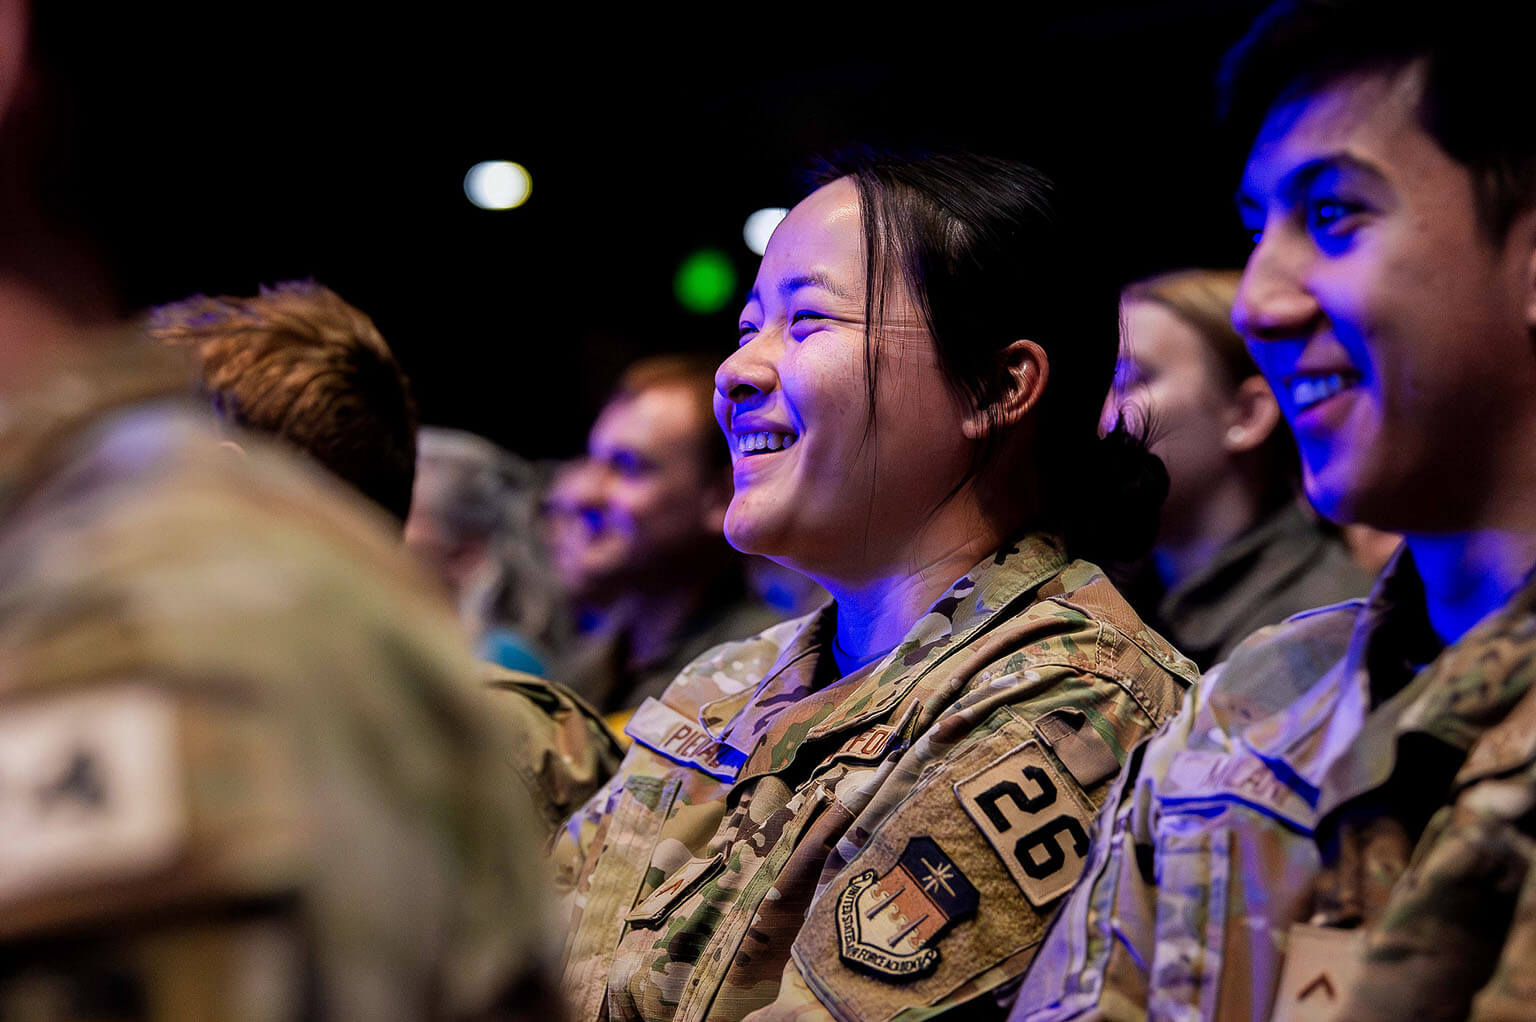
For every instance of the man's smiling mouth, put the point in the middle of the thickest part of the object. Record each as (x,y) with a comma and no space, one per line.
(1309,389)
(749,444)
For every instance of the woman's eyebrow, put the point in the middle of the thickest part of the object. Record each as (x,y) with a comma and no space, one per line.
(813,279)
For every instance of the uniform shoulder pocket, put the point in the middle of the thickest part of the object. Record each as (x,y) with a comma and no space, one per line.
(948,899)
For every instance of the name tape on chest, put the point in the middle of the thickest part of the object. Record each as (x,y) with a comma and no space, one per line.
(1033,818)
(1241,777)
(866,745)
(91,789)
(665,731)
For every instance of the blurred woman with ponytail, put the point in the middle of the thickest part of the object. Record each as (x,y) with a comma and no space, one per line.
(877,805)
(1237,548)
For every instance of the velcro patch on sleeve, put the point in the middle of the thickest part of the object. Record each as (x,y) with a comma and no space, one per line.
(1081,749)
(91,790)
(653,909)
(665,731)
(1034,818)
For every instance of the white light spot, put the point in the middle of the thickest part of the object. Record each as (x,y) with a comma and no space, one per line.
(498,184)
(760,226)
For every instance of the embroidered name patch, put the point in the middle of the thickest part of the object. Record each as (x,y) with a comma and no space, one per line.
(91,789)
(1032,817)
(663,730)
(886,921)
(1241,777)
(867,744)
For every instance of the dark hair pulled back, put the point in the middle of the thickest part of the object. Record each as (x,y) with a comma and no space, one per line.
(983,254)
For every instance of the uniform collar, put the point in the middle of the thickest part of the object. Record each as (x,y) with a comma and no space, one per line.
(1340,747)
(778,705)
(1217,598)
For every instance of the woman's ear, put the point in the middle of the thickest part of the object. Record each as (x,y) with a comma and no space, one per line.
(1025,371)
(1254,415)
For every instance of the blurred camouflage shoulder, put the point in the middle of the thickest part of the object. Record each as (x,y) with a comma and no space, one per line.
(564,750)
(247,767)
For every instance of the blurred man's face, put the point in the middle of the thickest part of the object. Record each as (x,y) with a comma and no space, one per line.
(642,507)
(1396,336)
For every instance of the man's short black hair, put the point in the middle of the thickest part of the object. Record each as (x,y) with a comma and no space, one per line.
(1478,75)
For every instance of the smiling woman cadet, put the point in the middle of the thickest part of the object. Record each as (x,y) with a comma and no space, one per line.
(873,808)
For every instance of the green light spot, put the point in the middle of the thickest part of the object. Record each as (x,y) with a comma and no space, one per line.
(705,281)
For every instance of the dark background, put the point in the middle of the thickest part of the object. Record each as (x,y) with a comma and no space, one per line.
(262,141)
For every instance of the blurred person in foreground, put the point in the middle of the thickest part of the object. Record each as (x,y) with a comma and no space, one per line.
(874,808)
(1341,822)
(474,521)
(636,533)
(1236,549)
(241,775)
(300,365)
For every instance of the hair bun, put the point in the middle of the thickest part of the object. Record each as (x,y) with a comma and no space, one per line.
(1119,521)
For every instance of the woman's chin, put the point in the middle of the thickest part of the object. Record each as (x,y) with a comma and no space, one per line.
(744,532)
(755,526)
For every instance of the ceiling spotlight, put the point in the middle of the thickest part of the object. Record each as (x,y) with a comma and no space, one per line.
(760,226)
(498,184)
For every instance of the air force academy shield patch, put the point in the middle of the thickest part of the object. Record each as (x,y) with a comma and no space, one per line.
(885,922)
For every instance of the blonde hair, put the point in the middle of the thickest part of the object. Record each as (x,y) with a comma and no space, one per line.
(1203,299)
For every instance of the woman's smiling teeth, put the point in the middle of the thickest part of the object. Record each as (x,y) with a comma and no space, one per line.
(1307,391)
(758,443)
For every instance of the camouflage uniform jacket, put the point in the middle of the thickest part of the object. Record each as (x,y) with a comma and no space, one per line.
(887,845)
(1326,830)
(564,749)
(247,768)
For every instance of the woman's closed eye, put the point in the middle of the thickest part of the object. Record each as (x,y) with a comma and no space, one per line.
(804,323)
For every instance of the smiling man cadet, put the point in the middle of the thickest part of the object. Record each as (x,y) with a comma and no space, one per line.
(637,537)
(1340,822)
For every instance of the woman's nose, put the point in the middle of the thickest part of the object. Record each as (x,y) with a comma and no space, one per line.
(747,373)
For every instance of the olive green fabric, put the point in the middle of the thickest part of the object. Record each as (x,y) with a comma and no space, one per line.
(563,750)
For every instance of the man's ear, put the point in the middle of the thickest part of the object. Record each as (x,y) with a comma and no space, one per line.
(1253,415)
(1026,370)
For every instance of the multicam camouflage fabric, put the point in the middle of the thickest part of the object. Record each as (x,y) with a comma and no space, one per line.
(761,786)
(246,769)
(563,749)
(1268,853)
